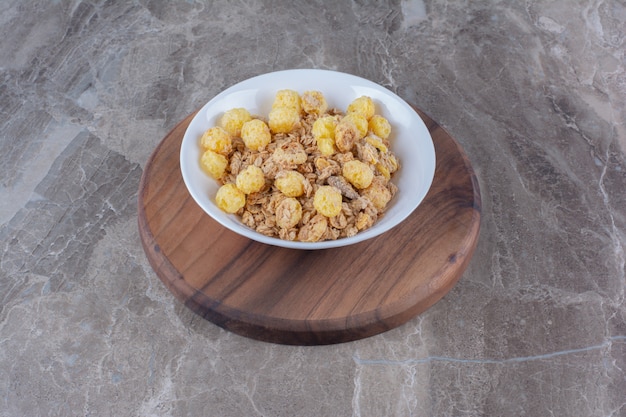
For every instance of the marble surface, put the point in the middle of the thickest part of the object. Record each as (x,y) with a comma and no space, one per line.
(535,92)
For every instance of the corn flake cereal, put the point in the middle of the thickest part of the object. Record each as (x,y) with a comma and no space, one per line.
(308,172)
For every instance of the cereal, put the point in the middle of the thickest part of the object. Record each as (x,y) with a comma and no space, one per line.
(233,120)
(314,229)
(230,198)
(289,99)
(327,201)
(377,142)
(290,155)
(290,183)
(313,102)
(288,213)
(251,179)
(377,193)
(326,146)
(256,134)
(324,127)
(364,106)
(359,121)
(309,173)
(283,119)
(342,184)
(216,139)
(379,126)
(358,173)
(214,164)
(346,135)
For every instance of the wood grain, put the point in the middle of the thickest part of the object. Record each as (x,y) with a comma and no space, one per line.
(304,297)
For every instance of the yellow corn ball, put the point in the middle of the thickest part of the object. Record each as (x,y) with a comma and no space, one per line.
(326,146)
(255,134)
(359,121)
(287,98)
(314,102)
(358,173)
(251,179)
(377,142)
(230,198)
(377,193)
(346,134)
(283,119)
(327,201)
(216,139)
(364,106)
(324,127)
(288,213)
(214,163)
(379,126)
(290,183)
(233,119)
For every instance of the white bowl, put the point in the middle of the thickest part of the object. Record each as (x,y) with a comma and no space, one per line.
(410,142)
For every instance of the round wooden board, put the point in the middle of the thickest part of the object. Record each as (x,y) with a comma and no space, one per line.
(301,297)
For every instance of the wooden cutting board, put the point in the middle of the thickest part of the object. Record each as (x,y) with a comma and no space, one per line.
(303,297)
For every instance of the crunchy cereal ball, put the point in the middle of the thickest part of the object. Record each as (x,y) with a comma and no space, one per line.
(346,135)
(230,198)
(379,126)
(213,164)
(233,119)
(327,201)
(324,127)
(283,119)
(359,121)
(255,134)
(216,139)
(326,146)
(314,102)
(377,193)
(251,179)
(363,105)
(358,173)
(314,229)
(289,99)
(290,183)
(288,213)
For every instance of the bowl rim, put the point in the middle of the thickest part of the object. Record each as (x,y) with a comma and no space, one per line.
(233,222)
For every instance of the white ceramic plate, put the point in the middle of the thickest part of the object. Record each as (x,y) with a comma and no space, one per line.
(410,141)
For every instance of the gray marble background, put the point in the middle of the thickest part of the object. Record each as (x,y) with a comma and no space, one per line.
(534,90)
